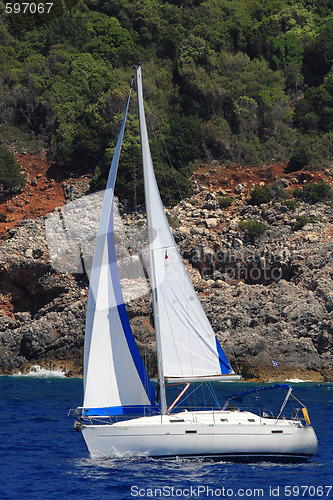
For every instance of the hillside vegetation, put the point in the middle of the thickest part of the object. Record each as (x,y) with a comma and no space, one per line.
(239,81)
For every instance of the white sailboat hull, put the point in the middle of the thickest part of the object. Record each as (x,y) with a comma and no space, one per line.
(217,435)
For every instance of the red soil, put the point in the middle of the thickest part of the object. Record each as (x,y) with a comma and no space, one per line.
(227,177)
(43,190)
(41,195)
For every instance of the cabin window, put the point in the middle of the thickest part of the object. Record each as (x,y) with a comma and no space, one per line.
(251,419)
(190,432)
(178,420)
(224,420)
(277,432)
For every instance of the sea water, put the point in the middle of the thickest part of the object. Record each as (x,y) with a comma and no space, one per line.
(43,458)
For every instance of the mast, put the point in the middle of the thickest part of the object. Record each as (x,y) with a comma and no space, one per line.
(146,160)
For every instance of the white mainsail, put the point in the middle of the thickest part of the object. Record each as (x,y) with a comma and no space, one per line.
(189,349)
(115,379)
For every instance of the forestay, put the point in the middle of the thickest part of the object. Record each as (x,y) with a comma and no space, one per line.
(115,379)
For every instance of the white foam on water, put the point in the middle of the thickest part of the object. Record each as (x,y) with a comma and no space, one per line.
(37,371)
(297,380)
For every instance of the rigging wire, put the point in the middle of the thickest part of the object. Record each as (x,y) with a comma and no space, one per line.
(158,123)
(216,401)
(182,401)
(204,396)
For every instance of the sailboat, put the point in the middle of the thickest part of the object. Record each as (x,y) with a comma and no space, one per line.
(121,414)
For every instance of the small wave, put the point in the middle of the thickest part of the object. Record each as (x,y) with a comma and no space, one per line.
(297,380)
(37,371)
(42,419)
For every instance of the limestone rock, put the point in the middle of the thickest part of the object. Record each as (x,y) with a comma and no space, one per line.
(212,222)
(267,299)
(241,188)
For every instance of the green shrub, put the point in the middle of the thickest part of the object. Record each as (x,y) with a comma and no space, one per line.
(173,223)
(301,221)
(297,193)
(225,201)
(259,195)
(3,217)
(299,159)
(292,204)
(252,228)
(313,192)
(10,171)
(278,190)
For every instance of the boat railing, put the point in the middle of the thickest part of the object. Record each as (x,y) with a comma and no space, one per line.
(261,412)
(106,417)
(83,416)
(301,415)
(296,415)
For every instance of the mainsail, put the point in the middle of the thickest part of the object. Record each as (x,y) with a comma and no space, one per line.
(189,349)
(115,379)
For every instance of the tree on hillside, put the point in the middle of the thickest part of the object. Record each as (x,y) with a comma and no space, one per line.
(10,171)
(243,81)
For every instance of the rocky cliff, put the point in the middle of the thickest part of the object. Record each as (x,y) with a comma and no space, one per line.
(269,297)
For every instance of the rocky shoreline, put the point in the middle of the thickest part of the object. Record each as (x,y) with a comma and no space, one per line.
(269,297)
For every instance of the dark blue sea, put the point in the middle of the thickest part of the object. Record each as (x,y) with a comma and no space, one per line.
(43,458)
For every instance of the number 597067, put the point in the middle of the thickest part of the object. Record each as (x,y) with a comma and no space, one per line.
(28,8)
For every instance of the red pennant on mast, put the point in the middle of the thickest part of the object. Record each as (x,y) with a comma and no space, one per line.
(166,254)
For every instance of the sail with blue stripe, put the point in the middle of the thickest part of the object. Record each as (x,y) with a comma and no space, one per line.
(115,379)
(188,349)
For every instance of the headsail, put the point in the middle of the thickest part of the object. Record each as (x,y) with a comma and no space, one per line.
(189,349)
(115,379)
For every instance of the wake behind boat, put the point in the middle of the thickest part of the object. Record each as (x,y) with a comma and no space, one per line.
(119,416)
